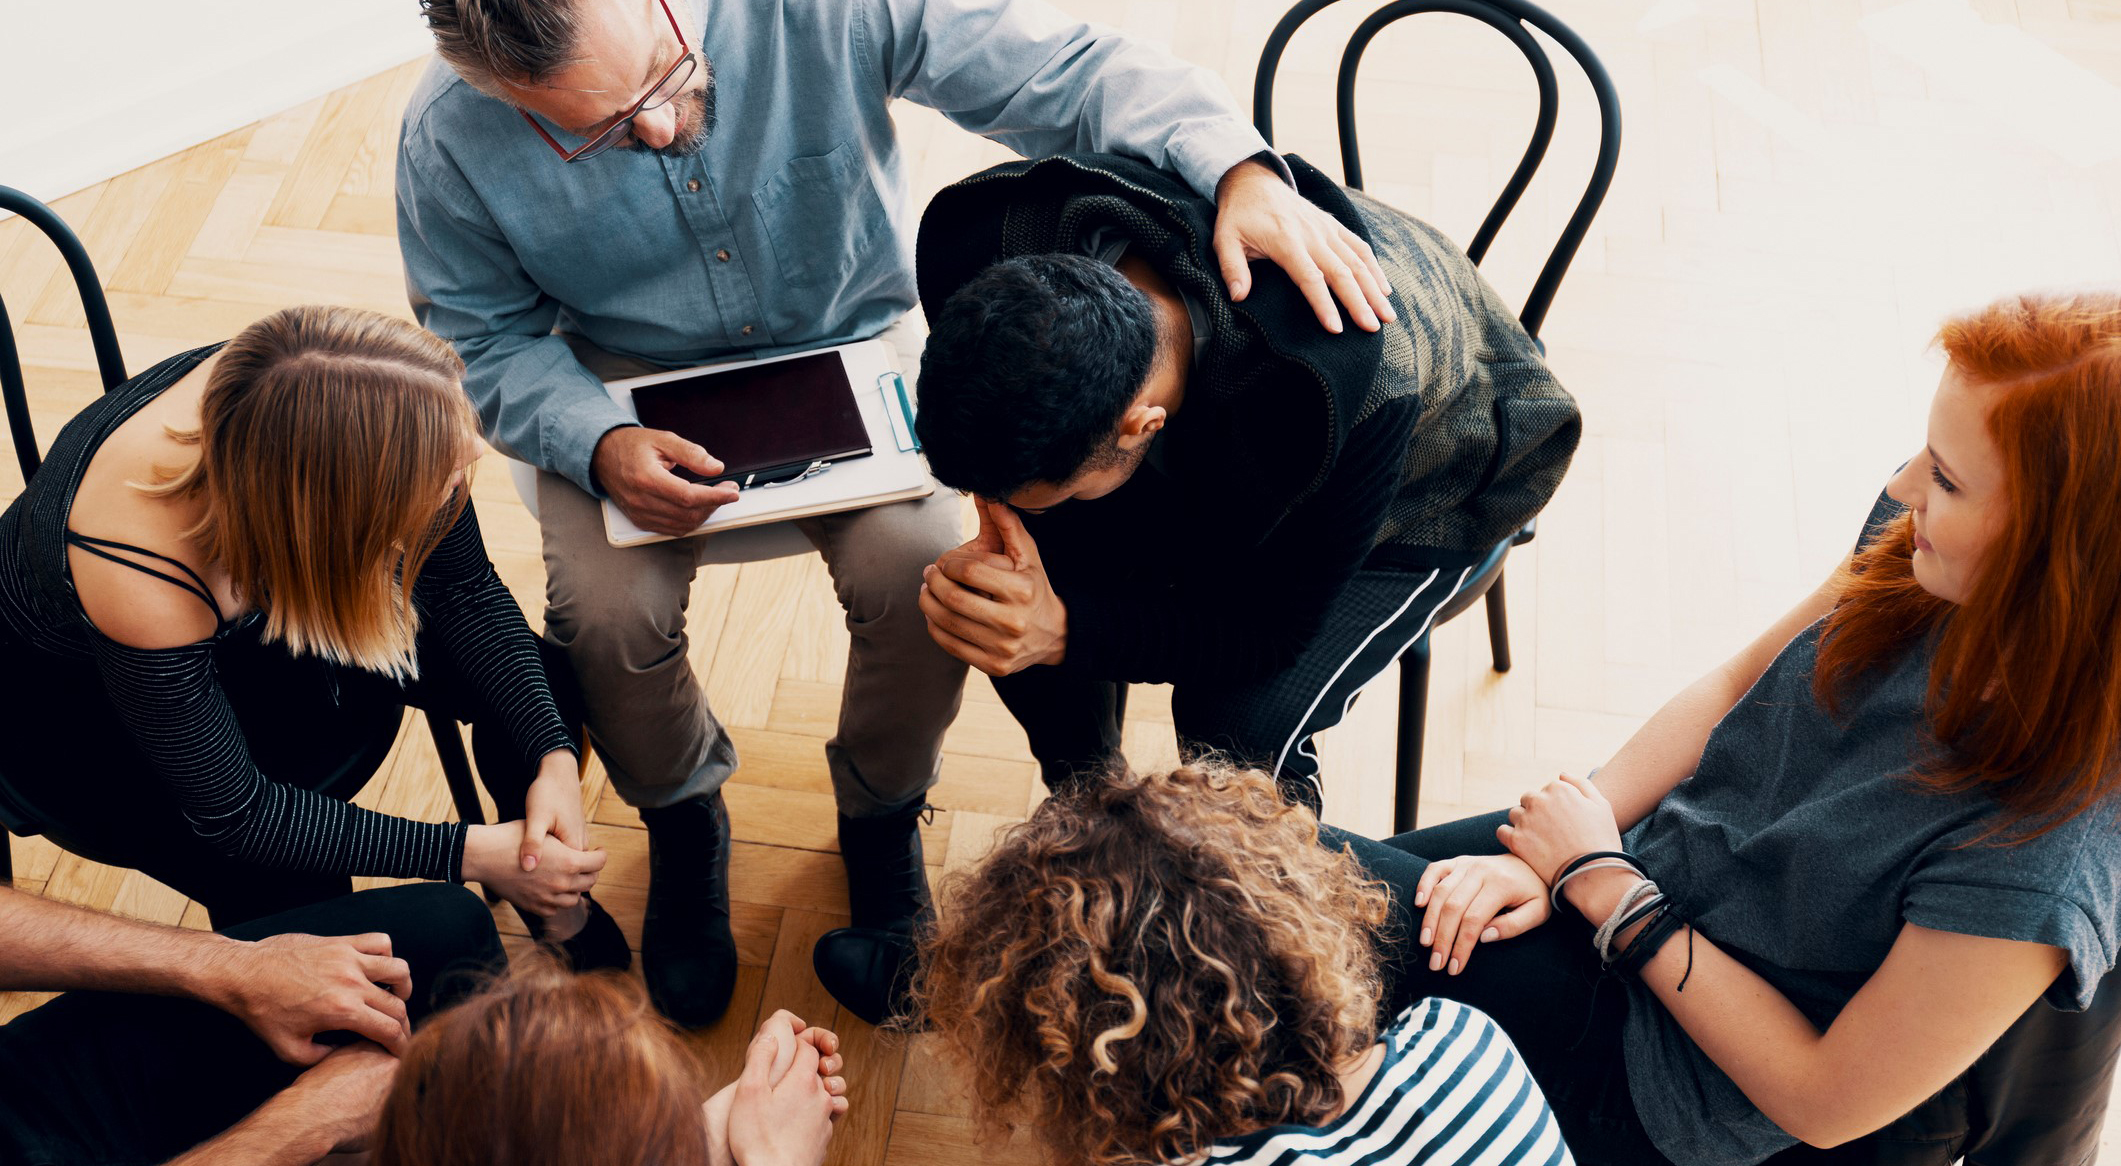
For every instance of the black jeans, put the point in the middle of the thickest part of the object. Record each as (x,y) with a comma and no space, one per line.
(1544,989)
(114,1080)
(82,780)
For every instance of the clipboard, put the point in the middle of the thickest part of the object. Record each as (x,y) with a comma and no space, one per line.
(769,421)
(891,471)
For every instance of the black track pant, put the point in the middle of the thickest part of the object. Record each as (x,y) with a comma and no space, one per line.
(1073,722)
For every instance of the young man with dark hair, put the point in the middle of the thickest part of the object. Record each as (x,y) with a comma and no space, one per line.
(590,189)
(1176,486)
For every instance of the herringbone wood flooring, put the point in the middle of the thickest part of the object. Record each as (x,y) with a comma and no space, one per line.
(1801,198)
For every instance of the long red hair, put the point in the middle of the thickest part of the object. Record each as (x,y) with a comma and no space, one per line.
(2024,697)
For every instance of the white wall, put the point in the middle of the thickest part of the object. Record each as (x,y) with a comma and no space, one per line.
(93,88)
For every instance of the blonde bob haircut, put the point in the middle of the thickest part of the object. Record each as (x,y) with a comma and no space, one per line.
(327,439)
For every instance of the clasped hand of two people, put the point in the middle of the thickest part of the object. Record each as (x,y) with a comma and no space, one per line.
(1257,216)
(543,863)
(1483,898)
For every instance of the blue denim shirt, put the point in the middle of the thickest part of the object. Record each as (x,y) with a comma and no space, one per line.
(789,230)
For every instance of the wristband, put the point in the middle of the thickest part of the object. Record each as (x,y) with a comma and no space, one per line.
(1653,937)
(1568,868)
(1595,860)
(1554,892)
(1640,913)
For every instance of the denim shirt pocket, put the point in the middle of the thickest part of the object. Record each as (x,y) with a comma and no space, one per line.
(821,212)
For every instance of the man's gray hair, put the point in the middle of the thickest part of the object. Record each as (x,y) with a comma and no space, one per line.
(521,42)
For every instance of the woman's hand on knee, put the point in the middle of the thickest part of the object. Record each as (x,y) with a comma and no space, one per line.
(493,856)
(1475,899)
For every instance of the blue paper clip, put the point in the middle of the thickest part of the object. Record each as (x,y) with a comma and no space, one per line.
(902,415)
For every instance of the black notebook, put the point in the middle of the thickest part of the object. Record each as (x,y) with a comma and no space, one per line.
(765,423)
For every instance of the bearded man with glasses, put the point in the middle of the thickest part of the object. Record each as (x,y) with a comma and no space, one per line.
(579,201)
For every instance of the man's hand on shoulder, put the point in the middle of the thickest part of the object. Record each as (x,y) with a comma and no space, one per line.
(1258,216)
(289,988)
(636,468)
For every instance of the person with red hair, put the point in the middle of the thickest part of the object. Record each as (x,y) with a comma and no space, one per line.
(1835,870)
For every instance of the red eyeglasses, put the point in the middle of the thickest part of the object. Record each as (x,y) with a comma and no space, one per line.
(672,83)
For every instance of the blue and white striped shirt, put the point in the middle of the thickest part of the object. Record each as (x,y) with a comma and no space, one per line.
(1451,1091)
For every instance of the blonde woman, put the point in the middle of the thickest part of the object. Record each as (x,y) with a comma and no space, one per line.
(227,561)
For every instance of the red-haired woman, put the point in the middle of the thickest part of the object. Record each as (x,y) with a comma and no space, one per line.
(1848,860)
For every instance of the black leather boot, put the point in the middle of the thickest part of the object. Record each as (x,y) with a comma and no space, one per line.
(688,954)
(868,967)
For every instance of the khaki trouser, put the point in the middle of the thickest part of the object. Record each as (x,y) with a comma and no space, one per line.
(619,614)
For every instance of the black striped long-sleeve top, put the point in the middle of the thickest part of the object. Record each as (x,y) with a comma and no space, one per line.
(176,709)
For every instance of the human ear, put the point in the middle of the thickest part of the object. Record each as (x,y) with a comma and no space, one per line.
(1140,422)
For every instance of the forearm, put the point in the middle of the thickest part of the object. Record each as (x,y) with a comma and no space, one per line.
(58,947)
(1042,84)
(1762,1042)
(1748,1028)
(1666,749)
(536,402)
(1758,1038)
(279,1133)
(475,621)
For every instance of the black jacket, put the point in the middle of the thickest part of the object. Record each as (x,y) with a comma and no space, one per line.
(1298,455)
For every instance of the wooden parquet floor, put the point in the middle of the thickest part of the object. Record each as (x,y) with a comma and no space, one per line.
(1807,187)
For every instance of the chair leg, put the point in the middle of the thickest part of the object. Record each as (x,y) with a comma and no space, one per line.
(456,769)
(1498,626)
(1413,716)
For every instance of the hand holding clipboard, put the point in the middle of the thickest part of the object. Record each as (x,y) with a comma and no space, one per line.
(751,442)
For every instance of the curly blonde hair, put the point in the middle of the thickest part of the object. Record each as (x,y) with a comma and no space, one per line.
(1150,964)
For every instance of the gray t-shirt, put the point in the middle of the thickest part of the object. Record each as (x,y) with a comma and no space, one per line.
(1801,846)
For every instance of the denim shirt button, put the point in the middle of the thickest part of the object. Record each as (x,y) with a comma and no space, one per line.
(722,255)
(748,329)
(693,185)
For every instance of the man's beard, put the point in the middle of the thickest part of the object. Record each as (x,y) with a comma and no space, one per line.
(701,102)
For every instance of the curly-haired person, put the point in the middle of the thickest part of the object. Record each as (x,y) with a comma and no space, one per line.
(1171,969)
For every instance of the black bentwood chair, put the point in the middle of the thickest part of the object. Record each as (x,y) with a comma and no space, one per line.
(358,753)
(1516,20)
